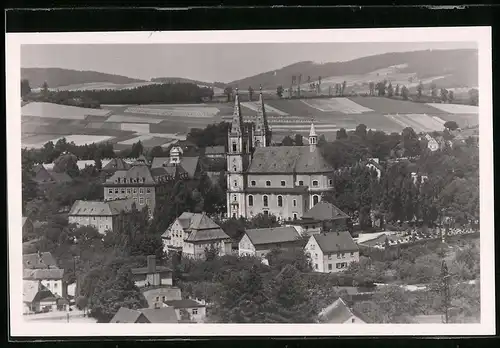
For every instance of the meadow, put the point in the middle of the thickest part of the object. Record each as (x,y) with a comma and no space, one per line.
(159,125)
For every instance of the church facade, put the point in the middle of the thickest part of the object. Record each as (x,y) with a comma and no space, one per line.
(284,181)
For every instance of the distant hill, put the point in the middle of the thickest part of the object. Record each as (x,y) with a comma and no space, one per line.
(456,67)
(56,77)
(184,80)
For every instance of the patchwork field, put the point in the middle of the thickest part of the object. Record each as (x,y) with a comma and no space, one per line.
(159,125)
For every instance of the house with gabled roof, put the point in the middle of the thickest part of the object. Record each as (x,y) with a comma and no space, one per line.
(189,167)
(159,315)
(104,216)
(195,311)
(339,312)
(332,252)
(260,241)
(324,216)
(37,297)
(193,233)
(44,176)
(115,164)
(42,267)
(284,181)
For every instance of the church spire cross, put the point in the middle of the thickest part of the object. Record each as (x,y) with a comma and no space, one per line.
(237,121)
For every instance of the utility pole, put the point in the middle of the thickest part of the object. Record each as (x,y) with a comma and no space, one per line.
(445,290)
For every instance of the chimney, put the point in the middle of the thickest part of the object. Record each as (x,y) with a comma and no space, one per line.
(151,264)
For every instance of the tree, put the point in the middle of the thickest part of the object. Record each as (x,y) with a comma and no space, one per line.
(381,88)
(279,91)
(81,302)
(371,86)
(474,96)
(156,151)
(390,90)
(451,125)
(25,87)
(361,131)
(45,89)
(341,134)
(405,92)
(298,140)
(433,90)
(250,93)
(137,149)
(287,141)
(451,96)
(420,88)
(396,92)
(344,84)
(114,289)
(263,221)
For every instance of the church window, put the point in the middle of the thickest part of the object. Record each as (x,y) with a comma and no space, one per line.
(250,201)
(234,198)
(315,200)
(315,182)
(301,183)
(253,182)
(235,183)
(280,201)
(330,182)
(268,183)
(234,147)
(234,168)
(283,183)
(294,202)
(265,201)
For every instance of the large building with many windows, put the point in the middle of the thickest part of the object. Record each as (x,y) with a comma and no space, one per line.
(284,181)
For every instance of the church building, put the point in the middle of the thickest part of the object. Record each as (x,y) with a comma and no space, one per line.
(284,181)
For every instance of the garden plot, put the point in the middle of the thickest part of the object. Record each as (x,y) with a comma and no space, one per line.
(51,110)
(342,105)
(38,141)
(155,141)
(177,111)
(255,105)
(456,108)
(134,140)
(133,119)
(419,122)
(135,127)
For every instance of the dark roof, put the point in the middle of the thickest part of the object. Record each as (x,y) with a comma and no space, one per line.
(187,164)
(42,274)
(185,303)
(42,260)
(261,236)
(335,242)
(288,159)
(116,164)
(145,270)
(97,208)
(200,227)
(215,150)
(324,211)
(160,315)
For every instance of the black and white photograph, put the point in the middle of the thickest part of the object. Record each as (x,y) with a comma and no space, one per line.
(300,178)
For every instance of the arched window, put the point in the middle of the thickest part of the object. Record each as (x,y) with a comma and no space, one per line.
(234,168)
(280,201)
(234,147)
(253,182)
(268,183)
(294,202)
(235,183)
(234,198)
(315,200)
(265,201)
(250,201)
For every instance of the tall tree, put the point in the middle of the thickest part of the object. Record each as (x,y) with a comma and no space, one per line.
(405,92)
(420,88)
(228,91)
(433,90)
(45,90)
(287,141)
(279,91)
(250,93)
(341,134)
(390,90)
(444,95)
(396,92)
(474,96)
(344,84)
(25,87)
(451,96)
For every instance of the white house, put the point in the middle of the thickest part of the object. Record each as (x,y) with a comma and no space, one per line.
(193,233)
(104,216)
(195,311)
(332,252)
(51,278)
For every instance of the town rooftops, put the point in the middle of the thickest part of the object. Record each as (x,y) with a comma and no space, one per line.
(97,208)
(151,315)
(324,211)
(215,150)
(288,159)
(43,274)
(339,312)
(116,164)
(261,236)
(39,260)
(33,289)
(184,303)
(335,242)
(200,227)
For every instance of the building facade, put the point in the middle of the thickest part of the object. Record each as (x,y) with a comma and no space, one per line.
(152,275)
(51,279)
(260,241)
(332,252)
(284,181)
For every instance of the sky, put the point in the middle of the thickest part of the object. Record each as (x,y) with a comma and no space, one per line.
(206,62)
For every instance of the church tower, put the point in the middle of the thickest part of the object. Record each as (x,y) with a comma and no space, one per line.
(313,138)
(237,161)
(262,136)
